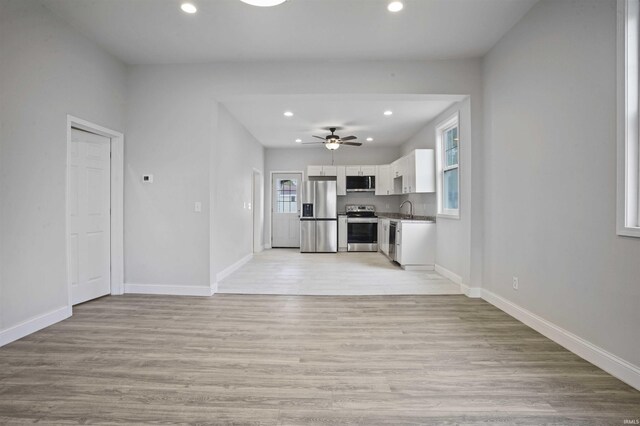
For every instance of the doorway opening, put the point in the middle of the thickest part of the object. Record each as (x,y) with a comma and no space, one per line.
(285,209)
(94,211)
(257,195)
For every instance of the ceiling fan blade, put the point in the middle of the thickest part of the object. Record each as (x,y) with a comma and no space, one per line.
(349,138)
(319,137)
(311,143)
(352,143)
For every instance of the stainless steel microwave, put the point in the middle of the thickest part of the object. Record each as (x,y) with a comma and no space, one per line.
(361,183)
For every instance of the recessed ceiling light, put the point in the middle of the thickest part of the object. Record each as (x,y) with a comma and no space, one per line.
(263,3)
(388,112)
(395,6)
(288,114)
(189,8)
(298,140)
(369,139)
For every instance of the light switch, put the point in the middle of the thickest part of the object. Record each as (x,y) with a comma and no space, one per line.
(197,207)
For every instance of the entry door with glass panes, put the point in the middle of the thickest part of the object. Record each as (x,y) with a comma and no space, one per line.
(285,212)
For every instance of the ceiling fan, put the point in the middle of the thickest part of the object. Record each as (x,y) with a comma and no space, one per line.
(333,141)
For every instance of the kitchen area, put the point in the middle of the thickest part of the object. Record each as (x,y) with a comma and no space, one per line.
(330,223)
(359,234)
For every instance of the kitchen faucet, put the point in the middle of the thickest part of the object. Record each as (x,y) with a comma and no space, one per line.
(410,208)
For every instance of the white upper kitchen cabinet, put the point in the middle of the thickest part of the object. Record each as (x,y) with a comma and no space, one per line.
(397,168)
(314,171)
(341,181)
(420,174)
(322,171)
(329,171)
(360,170)
(384,184)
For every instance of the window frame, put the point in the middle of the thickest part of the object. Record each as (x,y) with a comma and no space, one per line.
(628,126)
(441,129)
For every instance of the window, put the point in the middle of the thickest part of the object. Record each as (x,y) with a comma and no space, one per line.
(448,163)
(287,196)
(628,208)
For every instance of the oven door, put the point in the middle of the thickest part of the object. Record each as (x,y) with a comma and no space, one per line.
(362,234)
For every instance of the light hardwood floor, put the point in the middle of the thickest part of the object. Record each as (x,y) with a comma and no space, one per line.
(301,360)
(287,271)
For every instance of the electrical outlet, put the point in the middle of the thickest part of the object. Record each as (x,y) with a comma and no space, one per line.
(515,283)
(197,207)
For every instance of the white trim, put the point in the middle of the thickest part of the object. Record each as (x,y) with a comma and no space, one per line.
(418,267)
(448,274)
(267,246)
(231,269)
(444,125)
(174,290)
(472,292)
(259,194)
(607,361)
(628,132)
(117,201)
(34,324)
(269,243)
(448,216)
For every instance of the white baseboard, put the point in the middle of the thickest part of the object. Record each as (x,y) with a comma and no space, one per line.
(34,324)
(267,246)
(231,269)
(465,289)
(174,290)
(599,357)
(448,274)
(214,288)
(418,267)
(472,292)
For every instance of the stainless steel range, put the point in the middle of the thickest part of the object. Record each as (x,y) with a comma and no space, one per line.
(362,228)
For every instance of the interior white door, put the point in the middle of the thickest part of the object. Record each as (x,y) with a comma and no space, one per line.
(89,208)
(285,212)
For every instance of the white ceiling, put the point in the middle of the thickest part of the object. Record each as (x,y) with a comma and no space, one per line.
(358,115)
(157,31)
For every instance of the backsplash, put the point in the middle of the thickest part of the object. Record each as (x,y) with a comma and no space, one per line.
(423,204)
(384,203)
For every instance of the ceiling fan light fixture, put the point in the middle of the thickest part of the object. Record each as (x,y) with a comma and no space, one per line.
(332,145)
(188,7)
(263,3)
(395,6)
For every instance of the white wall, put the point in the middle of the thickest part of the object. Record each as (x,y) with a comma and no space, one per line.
(238,154)
(550,139)
(175,96)
(170,134)
(297,159)
(453,249)
(47,70)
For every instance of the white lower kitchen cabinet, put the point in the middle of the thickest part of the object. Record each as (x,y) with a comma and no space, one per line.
(342,233)
(416,244)
(383,236)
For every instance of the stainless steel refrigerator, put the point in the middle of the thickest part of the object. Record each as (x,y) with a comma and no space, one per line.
(319,218)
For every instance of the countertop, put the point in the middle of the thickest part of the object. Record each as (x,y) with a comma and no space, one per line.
(402,217)
(405,217)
